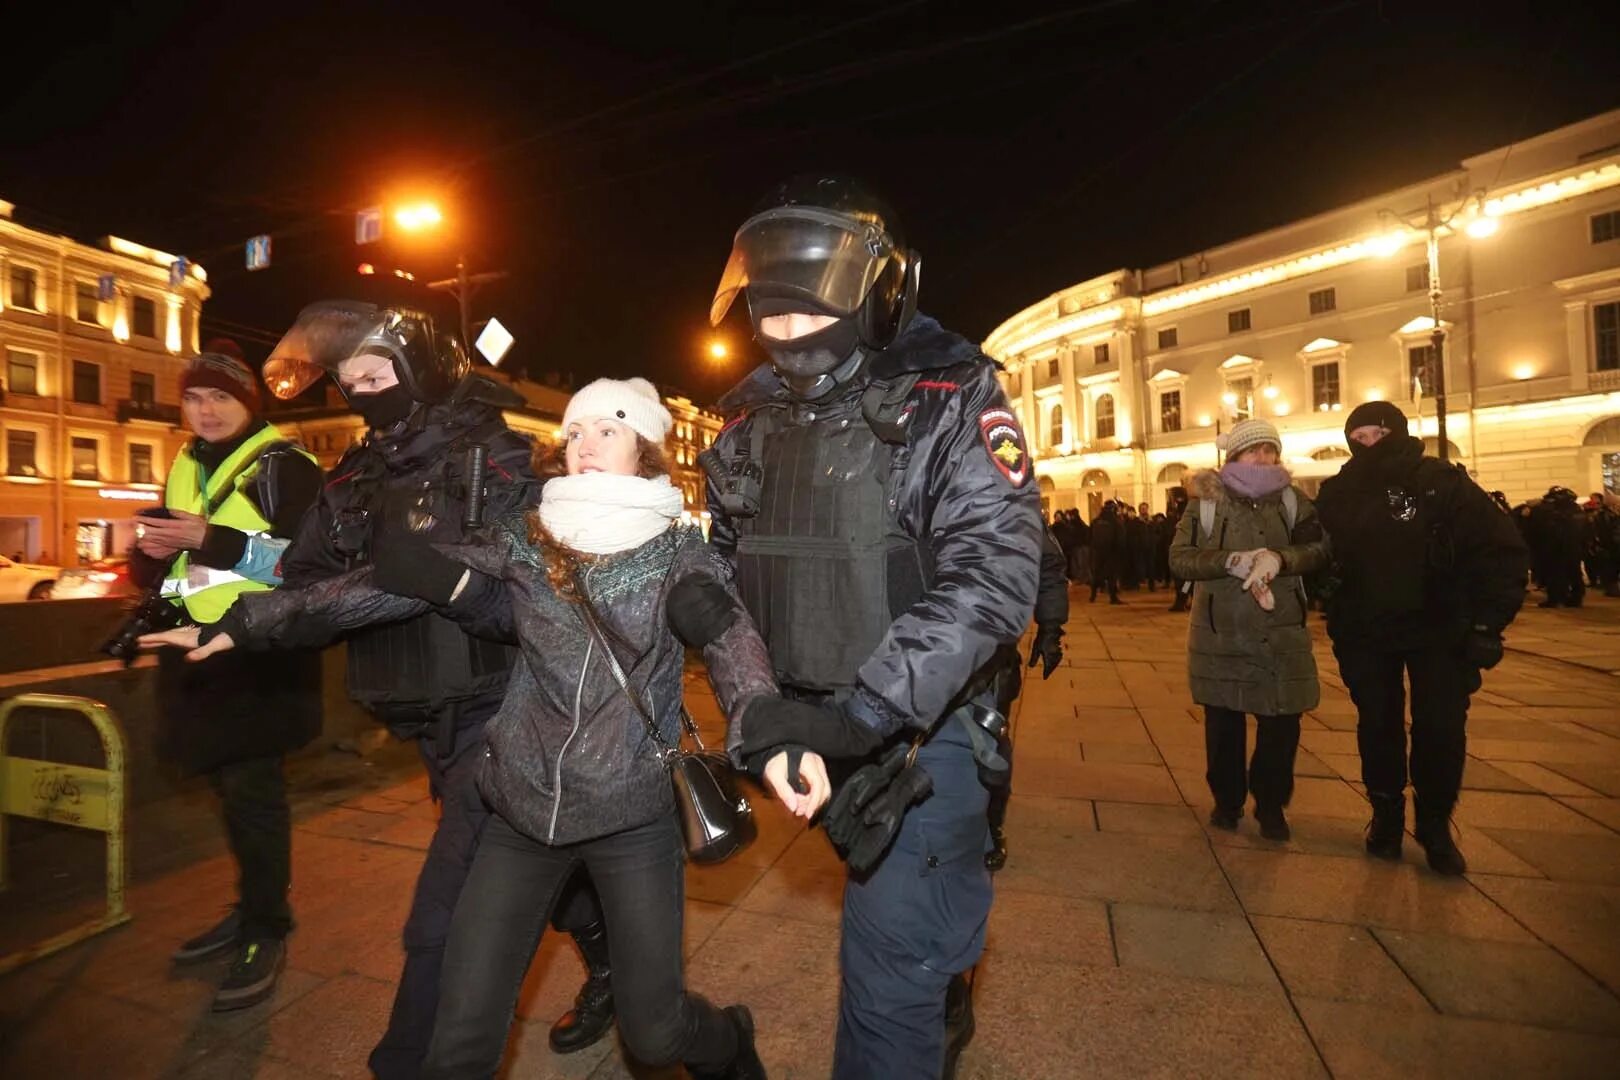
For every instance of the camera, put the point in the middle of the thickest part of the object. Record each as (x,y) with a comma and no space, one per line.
(150,614)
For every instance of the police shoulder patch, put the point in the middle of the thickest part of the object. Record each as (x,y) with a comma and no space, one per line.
(1004,440)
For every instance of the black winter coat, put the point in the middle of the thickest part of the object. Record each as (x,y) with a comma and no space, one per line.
(1422,553)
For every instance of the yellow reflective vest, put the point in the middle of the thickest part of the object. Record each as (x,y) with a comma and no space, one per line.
(207,593)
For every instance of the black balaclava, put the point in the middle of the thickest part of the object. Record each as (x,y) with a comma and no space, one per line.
(813,366)
(385,408)
(1381,413)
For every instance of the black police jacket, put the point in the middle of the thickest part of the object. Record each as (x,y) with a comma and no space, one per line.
(965,494)
(416,478)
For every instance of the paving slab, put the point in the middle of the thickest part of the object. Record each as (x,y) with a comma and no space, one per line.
(1538,813)
(1152,820)
(1335,961)
(1541,778)
(1210,946)
(1603,811)
(1046,927)
(1577,920)
(1563,856)
(1604,779)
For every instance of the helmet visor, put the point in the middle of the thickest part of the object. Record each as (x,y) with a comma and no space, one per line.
(324,335)
(829,261)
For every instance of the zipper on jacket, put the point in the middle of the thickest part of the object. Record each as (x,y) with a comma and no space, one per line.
(579,694)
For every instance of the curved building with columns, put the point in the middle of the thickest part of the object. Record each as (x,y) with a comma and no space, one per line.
(1123,381)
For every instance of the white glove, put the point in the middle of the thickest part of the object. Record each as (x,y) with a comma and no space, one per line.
(1264,566)
(1240,563)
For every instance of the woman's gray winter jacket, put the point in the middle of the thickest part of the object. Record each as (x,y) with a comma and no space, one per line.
(568,758)
(1240,656)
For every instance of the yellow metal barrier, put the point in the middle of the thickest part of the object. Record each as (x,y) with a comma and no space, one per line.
(70,795)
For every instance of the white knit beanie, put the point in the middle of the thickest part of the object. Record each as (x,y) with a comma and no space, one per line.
(1247,433)
(632,402)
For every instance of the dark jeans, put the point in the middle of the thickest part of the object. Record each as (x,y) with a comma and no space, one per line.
(1564,583)
(1441,684)
(258,825)
(1270,776)
(640,876)
(462,817)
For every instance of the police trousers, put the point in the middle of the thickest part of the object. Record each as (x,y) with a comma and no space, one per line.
(462,819)
(917,920)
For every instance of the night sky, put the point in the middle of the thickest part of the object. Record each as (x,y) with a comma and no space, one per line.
(604,157)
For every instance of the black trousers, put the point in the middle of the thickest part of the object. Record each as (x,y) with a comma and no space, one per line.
(1104,575)
(258,826)
(1441,684)
(640,876)
(1564,582)
(1270,774)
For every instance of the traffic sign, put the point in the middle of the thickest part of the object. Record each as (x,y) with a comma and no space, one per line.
(106,287)
(494,341)
(368,225)
(258,252)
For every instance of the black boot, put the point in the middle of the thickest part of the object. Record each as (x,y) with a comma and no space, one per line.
(592,1014)
(1388,824)
(1273,825)
(746,1064)
(958,1022)
(1433,831)
(996,857)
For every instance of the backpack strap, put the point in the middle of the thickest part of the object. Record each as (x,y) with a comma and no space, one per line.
(1290,505)
(1206,517)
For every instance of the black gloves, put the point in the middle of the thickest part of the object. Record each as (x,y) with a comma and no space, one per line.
(699,610)
(770,722)
(1047,648)
(1482,647)
(408,565)
(864,817)
(228,623)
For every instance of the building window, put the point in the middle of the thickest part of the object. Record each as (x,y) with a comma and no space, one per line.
(25,287)
(86,382)
(22,372)
(143,389)
(1055,431)
(1052,368)
(143,317)
(20,447)
(1099,354)
(140,464)
(1170,411)
(1605,226)
(85,466)
(1323,301)
(1325,386)
(1240,397)
(86,303)
(1167,338)
(1105,416)
(1417,277)
(1606,333)
(1237,321)
(1420,368)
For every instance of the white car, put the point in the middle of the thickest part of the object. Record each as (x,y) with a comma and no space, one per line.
(26,581)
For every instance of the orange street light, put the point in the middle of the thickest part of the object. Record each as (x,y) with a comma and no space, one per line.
(416,217)
(718,350)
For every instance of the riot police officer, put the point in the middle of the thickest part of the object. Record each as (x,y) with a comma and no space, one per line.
(436,460)
(874,491)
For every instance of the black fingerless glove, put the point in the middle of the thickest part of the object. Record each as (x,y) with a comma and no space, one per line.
(770,722)
(228,623)
(699,610)
(408,565)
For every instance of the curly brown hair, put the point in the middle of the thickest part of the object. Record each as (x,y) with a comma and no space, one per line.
(551,461)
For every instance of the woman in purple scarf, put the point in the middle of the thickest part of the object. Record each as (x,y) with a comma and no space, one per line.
(1247,537)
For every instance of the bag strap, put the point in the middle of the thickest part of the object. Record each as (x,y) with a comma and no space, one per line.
(1206,517)
(1290,505)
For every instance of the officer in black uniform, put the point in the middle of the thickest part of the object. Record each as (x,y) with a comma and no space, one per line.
(436,460)
(874,490)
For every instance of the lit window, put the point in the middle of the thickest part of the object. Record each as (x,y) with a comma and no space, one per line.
(1606,333)
(140,464)
(22,372)
(1323,300)
(85,466)
(1420,368)
(1056,430)
(1325,386)
(25,287)
(1237,321)
(20,448)
(1170,411)
(1105,417)
(87,303)
(1240,397)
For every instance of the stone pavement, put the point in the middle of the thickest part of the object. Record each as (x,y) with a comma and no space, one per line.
(1127,939)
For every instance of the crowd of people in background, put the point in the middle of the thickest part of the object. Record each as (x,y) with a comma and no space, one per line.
(1574,545)
(1122,549)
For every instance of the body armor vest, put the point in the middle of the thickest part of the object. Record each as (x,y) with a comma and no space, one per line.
(824,567)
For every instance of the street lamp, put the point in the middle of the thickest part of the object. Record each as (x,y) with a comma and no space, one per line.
(1432,223)
(718,351)
(423,216)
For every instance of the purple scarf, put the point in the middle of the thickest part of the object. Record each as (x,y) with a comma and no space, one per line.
(1254,481)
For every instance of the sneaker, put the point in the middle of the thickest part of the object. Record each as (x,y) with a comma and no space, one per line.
(1273,826)
(253,974)
(1225,817)
(216,941)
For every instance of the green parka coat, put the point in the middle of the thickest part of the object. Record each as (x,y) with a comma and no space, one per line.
(1240,656)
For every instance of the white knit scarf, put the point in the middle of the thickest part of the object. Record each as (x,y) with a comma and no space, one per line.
(600,513)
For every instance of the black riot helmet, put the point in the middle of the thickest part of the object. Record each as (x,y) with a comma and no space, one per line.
(428,364)
(822,245)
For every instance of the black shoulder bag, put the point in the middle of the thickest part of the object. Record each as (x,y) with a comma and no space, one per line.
(716,820)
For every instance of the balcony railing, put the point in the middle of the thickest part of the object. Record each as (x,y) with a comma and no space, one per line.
(130,409)
(1604,380)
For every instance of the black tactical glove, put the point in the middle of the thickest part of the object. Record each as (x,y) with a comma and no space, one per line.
(699,610)
(408,565)
(1482,647)
(769,722)
(1047,648)
(865,816)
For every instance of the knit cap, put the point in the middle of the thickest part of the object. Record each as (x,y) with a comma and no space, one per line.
(632,402)
(1247,433)
(217,371)
(1380,413)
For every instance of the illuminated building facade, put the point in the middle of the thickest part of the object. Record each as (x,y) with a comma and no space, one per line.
(92,340)
(1122,381)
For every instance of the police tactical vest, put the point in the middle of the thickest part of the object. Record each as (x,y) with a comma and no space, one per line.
(825,567)
(204,592)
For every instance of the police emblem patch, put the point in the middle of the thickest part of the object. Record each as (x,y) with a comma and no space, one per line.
(1004,440)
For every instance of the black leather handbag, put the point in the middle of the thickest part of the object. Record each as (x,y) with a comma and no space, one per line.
(716,819)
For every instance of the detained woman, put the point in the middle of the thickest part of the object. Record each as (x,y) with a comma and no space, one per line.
(572,773)
(1246,539)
